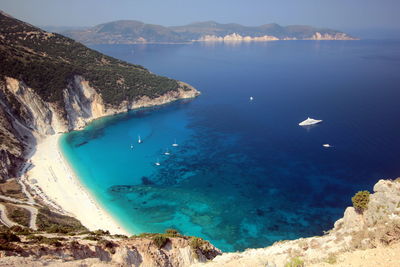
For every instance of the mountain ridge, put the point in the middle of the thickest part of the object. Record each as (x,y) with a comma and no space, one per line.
(134,31)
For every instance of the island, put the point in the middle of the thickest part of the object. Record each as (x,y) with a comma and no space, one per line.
(136,32)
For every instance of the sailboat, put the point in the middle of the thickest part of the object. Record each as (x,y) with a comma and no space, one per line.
(157,163)
(175,144)
(139,140)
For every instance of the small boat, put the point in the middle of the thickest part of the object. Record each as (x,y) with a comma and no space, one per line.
(251,98)
(166,152)
(309,121)
(157,163)
(139,140)
(131,146)
(175,144)
(326,145)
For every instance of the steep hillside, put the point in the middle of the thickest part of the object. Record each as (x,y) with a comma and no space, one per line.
(50,83)
(130,32)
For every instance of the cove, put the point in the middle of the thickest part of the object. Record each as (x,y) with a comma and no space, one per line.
(244,173)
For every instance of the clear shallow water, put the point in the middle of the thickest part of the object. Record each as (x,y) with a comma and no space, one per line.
(244,173)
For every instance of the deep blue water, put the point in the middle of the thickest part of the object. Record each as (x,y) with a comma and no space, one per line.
(244,173)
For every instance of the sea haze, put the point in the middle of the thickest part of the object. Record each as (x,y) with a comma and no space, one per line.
(244,173)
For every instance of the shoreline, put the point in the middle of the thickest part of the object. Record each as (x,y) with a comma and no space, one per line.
(54,176)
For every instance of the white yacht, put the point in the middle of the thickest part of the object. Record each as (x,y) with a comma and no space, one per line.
(139,140)
(157,163)
(326,145)
(309,121)
(166,152)
(175,144)
(251,98)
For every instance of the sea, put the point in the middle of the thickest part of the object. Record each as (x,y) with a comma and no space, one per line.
(243,173)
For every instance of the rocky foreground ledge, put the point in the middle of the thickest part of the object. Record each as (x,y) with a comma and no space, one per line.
(375,231)
(370,238)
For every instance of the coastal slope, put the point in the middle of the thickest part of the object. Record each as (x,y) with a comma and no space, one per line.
(52,84)
(132,32)
(376,229)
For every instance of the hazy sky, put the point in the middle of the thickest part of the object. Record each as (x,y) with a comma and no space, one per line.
(338,14)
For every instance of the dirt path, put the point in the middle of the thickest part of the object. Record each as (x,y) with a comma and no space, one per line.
(3,217)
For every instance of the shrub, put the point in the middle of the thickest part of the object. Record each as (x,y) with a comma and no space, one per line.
(360,201)
(172,232)
(295,262)
(8,237)
(20,230)
(53,222)
(92,238)
(160,240)
(331,259)
(45,240)
(18,214)
(100,232)
(196,242)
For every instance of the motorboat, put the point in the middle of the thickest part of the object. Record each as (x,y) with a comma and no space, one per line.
(309,121)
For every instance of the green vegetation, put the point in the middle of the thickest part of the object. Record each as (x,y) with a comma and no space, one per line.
(47,62)
(360,201)
(295,262)
(52,241)
(196,243)
(172,232)
(52,222)
(18,214)
(92,238)
(20,230)
(9,237)
(160,240)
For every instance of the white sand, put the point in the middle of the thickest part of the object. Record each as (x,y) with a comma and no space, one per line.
(58,182)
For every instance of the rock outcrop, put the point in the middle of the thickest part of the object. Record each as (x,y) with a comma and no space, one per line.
(135,251)
(378,226)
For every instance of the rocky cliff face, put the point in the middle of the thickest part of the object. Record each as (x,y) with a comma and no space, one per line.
(26,117)
(73,251)
(265,38)
(236,38)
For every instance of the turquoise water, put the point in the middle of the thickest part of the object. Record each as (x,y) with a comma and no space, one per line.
(244,173)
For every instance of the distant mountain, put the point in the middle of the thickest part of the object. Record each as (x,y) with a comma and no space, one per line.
(131,31)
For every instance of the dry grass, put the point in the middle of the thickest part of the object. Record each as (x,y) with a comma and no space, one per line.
(12,188)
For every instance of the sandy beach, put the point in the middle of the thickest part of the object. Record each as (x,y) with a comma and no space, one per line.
(52,177)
